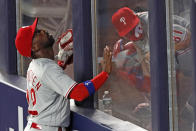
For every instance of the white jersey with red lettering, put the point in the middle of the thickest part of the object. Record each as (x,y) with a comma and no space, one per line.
(47,91)
(179,34)
(180,29)
(184,53)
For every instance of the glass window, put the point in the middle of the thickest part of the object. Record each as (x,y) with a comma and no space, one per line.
(55,16)
(183,64)
(123,26)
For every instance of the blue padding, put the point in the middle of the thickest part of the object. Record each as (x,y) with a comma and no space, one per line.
(90,87)
(8,52)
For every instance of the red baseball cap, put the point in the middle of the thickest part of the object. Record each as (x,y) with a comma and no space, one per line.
(24,38)
(124,20)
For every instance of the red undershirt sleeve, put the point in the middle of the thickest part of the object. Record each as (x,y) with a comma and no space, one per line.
(80,91)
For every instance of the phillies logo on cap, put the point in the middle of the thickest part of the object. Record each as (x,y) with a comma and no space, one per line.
(122,19)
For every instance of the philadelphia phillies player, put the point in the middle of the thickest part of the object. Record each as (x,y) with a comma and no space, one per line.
(48,87)
(134,28)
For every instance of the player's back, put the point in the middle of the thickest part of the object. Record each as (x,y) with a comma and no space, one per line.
(47,104)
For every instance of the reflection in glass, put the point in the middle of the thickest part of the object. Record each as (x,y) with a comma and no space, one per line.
(126,33)
(183,58)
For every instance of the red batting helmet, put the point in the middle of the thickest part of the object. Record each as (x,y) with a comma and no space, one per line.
(124,20)
(24,38)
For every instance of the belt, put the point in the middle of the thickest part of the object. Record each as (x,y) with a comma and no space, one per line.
(38,127)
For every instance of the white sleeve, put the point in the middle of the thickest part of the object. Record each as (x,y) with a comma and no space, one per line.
(57,80)
(181,21)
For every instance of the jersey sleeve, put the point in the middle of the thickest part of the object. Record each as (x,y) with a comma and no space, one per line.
(181,21)
(85,89)
(55,78)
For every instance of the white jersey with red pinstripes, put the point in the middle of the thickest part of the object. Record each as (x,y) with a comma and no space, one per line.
(47,91)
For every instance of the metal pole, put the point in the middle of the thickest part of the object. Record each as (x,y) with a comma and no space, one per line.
(173,108)
(82,34)
(158,65)
(193,43)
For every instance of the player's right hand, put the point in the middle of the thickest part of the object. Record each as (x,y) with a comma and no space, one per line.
(118,47)
(65,38)
(106,63)
(65,43)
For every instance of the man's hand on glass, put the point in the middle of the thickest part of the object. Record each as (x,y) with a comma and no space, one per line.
(106,63)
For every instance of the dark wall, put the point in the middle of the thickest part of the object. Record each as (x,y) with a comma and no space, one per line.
(10,99)
(8,55)
(158,65)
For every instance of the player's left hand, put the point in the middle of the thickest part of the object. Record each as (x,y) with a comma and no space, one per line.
(65,42)
(106,63)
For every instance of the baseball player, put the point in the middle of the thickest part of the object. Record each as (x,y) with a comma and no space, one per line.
(134,27)
(48,87)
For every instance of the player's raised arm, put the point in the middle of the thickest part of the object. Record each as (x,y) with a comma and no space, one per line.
(65,43)
(47,82)
(87,88)
(81,91)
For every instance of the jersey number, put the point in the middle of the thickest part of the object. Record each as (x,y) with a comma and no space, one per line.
(33,98)
(177,38)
